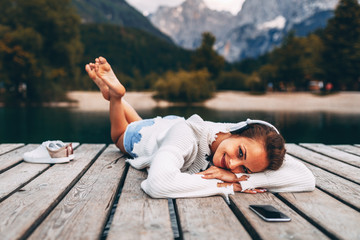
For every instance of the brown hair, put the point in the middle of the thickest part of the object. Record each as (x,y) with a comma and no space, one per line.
(274,143)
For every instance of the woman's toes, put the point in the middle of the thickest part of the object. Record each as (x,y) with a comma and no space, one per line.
(102,60)
(90,71)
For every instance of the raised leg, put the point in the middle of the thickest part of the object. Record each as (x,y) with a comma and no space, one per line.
(130,113)
(121,113)
(118,122)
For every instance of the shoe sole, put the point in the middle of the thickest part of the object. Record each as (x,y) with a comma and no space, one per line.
(48,160)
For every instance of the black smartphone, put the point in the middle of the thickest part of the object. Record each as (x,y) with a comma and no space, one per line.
(269,213)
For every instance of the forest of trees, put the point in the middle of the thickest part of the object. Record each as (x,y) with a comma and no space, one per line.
(44,47)
(330,55)
(40,49)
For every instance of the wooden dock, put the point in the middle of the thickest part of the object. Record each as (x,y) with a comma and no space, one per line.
(98,196)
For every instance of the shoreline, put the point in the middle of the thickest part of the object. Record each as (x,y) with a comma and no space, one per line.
(342,102)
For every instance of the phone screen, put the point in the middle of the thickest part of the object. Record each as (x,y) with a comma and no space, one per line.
(269,213)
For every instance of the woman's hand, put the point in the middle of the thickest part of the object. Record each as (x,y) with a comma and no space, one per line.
(229,179)
(218,173)
(237,188)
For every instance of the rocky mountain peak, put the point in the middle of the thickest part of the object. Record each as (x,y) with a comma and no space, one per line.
(186,22)
(256,29)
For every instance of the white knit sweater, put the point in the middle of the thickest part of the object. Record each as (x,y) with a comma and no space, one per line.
(174,149)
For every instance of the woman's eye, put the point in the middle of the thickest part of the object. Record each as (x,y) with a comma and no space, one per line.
(245,169)
(240,153)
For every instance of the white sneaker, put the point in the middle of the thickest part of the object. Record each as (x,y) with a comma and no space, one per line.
(54,146)
(51,152)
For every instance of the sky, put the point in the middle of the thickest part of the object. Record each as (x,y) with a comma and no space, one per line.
(149,6)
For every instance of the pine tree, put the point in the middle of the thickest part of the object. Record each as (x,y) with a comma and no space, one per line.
(206,57)
(342,46)
(287,60)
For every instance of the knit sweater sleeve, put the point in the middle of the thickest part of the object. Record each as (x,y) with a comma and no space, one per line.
(165,180)
(292,176)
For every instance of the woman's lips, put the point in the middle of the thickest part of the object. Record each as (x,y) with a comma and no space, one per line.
(223,162)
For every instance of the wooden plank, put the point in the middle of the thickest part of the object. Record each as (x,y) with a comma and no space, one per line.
(209,218)
(297,228)
(337,218)
(341,188)
(333,153)
(14,178)
(137,215)
(14,157)
(7,147)
(348,148)
(344,170)
(82,213)
(23,210)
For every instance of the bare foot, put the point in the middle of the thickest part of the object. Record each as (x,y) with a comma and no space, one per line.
(90,69)
(104,72)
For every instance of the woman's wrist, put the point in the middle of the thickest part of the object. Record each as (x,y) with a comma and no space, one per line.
(236,186)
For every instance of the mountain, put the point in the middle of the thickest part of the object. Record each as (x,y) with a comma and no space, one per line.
(117,12)
(256,29)
(186,23)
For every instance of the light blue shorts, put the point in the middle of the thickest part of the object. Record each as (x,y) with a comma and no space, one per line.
(133,135)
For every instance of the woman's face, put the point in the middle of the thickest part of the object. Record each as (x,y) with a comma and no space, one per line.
(241,155)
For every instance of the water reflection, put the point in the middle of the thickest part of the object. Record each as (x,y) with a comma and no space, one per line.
(34,125)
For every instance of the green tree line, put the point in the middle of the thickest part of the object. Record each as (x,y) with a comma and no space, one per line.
(40,49)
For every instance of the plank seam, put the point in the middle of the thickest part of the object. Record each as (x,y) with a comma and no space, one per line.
(343,161)
(309,219)
(176,209)
(111,213)
(25,183)
(12,149)
(323,168)
(347,151)
(241,217)
(11,166)
(173,219)
(339,199)
(41,218)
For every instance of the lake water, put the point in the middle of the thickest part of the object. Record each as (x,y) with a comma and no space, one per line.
(35,125)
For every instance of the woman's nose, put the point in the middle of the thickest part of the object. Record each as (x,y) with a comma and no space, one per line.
(234,163)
